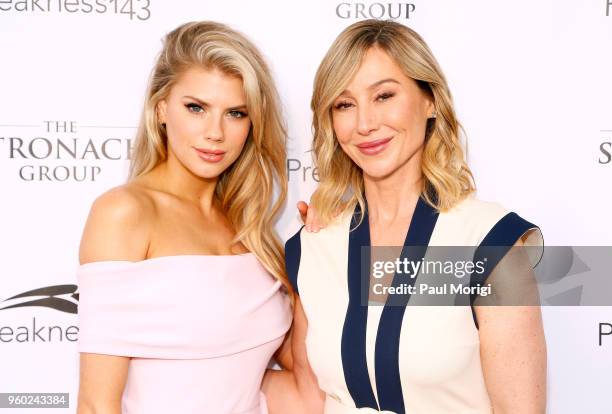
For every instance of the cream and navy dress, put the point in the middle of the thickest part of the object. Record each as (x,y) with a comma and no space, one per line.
(395,359)
(199,330)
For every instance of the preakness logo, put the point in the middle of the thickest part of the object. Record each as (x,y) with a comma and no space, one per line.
(132,9)
(59,155)
(62,298)
(376,10)
(59,297)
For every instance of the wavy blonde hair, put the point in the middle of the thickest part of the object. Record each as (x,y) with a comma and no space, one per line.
(447,178)
(246,189)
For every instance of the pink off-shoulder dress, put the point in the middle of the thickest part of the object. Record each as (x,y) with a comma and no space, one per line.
(200,330)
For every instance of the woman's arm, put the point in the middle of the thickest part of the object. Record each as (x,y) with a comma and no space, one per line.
(101,382)
(294,389)
(116,229)
(512,343)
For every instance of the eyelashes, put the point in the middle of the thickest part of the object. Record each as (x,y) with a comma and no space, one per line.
(381,97)
(238,114)
(384,96)
(198,109)
(343,105)
(195,108)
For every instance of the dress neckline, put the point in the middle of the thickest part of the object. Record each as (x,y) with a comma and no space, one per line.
(386,352)
(167,257)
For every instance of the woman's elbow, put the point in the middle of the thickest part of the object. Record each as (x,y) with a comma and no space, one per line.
(87,405)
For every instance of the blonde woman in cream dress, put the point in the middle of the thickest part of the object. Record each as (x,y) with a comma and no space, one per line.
(393,173)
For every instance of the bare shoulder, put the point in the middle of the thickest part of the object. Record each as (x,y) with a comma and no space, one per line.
(118,225)
(127,203)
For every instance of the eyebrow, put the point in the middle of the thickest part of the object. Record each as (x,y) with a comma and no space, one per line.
(374,85)
(204,103)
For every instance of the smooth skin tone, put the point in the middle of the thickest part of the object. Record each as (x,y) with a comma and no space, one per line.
(380,121)
(170,210)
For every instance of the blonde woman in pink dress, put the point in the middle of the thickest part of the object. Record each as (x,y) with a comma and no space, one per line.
(181,276)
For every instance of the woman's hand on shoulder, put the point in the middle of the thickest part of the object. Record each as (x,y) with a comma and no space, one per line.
(118,226)
(309,217)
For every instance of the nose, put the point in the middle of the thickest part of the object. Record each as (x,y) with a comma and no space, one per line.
(367,120)
(213,127)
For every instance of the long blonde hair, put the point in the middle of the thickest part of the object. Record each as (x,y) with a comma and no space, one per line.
(246,189)
(447,178)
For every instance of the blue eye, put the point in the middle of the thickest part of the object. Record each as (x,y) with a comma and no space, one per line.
(195,108)
(238,114)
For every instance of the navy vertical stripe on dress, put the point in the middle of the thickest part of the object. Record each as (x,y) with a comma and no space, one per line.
(293,254)
(386,355)
(353,347)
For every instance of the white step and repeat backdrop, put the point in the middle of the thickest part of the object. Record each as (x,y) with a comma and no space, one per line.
(532,82)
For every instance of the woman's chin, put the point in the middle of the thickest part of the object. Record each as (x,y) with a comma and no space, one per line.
(207,173)
(377,174)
